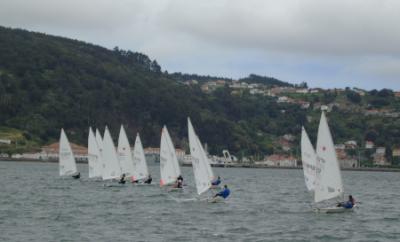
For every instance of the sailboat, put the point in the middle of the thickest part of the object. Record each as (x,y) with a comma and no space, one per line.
(94,158)
(203,173)
(329,180)
(66,157)
(309,160)
(100,146)
(169,165)
(125,154)
(140,170)
(112,168)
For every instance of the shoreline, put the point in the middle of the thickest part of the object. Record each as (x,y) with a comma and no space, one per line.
(374,169)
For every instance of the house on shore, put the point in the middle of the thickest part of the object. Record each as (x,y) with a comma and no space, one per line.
(51,152)
(278,161)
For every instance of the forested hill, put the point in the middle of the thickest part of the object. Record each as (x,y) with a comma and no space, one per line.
(49,82)
(268,81)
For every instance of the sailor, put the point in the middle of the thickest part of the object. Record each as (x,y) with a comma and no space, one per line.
(148,180)
(348,204)
(77,175)
(122,180)
(216,182)
(224,193)
(178,183)
(180,178)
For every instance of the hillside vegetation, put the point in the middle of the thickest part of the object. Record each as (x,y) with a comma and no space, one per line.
(49,82)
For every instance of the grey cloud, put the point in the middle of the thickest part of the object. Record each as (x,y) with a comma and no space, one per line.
(309,26)
(89,15)
(334,40)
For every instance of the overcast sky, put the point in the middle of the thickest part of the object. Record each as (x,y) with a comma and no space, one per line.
(327,43)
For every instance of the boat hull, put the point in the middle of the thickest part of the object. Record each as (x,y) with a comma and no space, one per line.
(216,200)
(175,189)
(333,210)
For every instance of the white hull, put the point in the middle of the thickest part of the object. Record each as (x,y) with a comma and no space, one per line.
(142,184)
(114,185)
(175,189)
(215,187)
(216,200)
(333,210)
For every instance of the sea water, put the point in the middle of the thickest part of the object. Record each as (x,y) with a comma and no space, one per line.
(265,205)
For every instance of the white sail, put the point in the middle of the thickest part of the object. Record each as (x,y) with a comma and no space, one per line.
(201,166)
(93,156)
(169,165)
(66,157)
(112,168)
(125,154)
(309,160)
(99,139)
(100,146)
(140,170)
(329,181)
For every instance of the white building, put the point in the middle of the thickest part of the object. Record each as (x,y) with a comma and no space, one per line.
(369,145)
(278,161)
(283,99)
(302,90)
(5,141)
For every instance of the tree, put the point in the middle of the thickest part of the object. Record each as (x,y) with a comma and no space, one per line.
(155,67)
(371,135)
(353,96)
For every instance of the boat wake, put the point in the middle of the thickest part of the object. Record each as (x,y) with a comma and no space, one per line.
(182,200)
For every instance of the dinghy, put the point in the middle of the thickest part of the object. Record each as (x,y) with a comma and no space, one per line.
(202,171)
(140,170)
(329,180)
(67,162)
(309,160)
(125,154)
(169,165)
(112,168)
(94,159)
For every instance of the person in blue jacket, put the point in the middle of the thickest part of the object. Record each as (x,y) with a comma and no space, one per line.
(348,204)
(216,182)
(224,193)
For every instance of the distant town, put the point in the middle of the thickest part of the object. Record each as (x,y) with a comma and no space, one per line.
(284,94)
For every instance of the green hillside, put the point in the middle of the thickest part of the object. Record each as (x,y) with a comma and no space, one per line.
(49,82)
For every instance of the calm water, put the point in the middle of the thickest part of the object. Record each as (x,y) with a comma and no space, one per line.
(266,205)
